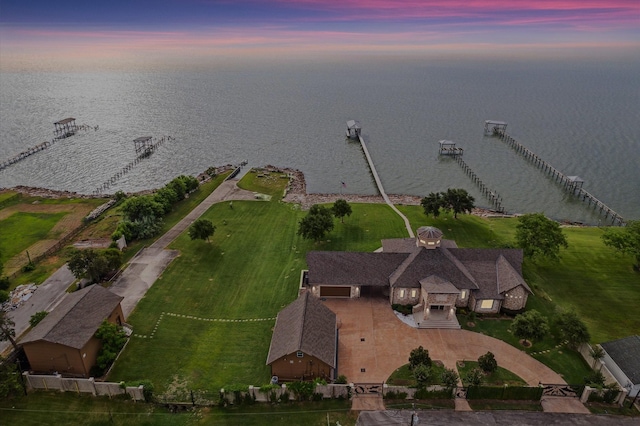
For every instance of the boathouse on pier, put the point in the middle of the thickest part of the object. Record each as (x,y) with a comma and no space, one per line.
(353,129)
(492,127)
(449,148)
(65,128)
(143,144)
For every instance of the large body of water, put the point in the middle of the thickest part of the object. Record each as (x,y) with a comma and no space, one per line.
(583,118)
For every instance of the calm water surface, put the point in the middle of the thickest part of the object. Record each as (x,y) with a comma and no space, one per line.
(583,118)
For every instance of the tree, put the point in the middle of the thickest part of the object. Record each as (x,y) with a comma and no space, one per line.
(419,356)
(488,363)
(37,317)
(572,329)
(137,208)
(341,209)
(7,329)
(457,200)
(422,374)
(432,203)
(94,265)
(449,378)
(531,325)
(9,379)
(539,236)
(316,223)
(113,339)
(201,229)
(625,240)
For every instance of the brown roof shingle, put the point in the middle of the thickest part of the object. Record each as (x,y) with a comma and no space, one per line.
(305,325)
(352,268)
(76,319)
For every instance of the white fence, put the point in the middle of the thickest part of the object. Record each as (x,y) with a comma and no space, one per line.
(63,384)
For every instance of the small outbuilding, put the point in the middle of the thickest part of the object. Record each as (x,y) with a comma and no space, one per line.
(304,345)
(64,341)
(353,129)
(623,361)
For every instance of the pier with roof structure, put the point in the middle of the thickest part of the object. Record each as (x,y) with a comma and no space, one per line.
(144,147)
(65,128)
(571,184)
(353,129)
(493,127)
(376,178)
(449,148)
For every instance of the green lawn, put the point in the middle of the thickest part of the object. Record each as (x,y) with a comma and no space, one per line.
(403,376)
(67,408)
(500,377)
(21,230)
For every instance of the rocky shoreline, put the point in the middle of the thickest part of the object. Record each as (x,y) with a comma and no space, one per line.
(296,193)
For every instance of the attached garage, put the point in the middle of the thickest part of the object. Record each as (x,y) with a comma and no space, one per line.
(335,291)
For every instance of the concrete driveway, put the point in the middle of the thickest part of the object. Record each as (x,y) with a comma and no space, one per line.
(373,343)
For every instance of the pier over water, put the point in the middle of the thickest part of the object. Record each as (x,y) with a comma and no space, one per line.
(374,172)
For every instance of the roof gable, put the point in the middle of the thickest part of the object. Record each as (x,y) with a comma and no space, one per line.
(424,263)
(508,278)
(435,284)
(626,354)
(305,325)
(76,319)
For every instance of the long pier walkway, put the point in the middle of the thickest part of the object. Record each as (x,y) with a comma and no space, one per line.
(372,167)
(144,153)
(492,196)
(571,184)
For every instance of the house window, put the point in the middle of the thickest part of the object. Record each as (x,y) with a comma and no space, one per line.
(299,354)
(414,293)
(486,304)
(463,294)
(401,294)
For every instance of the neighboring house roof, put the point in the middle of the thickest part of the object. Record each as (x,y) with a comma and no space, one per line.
(626,354)
(76,319)
(352,268)
(305,325)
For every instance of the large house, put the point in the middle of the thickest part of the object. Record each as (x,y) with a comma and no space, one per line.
(64,341)
(429,273)
(304,344)
(622,358)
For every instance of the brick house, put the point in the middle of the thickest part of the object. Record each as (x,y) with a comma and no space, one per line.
(64,340)
(429,273)
(304,344)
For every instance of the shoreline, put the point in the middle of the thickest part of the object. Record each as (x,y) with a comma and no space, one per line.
(295,193)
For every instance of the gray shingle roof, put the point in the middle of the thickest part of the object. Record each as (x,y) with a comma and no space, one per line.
(433,262)
(76,319)
(626,353)
(352,268)
(305,325)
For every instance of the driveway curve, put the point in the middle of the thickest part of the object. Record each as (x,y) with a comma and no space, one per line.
(373,342)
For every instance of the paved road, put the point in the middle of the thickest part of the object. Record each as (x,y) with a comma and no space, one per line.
(145,268)
(45,298)
(137,278)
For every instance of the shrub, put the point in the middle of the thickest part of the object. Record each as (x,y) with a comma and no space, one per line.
(474,377)
(317,396)
(449,378)
(395,395)
(595,379)
(37,317)
(284,397)
(422,374)
(341,380)
(302,390)
(403,309)
(488,362)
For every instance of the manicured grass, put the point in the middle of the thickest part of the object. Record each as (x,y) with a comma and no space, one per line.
(22,229)
(403,376)
(500,377)
(270,183)
(625,410)
(68,408)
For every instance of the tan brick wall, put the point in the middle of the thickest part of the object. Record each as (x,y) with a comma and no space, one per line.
(515,299)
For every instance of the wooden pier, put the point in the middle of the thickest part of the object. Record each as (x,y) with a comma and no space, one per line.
(374,173)
(571,184)
(149,146)
(491,195)
(64,128)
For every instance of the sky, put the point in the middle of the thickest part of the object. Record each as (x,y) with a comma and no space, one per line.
(155,31)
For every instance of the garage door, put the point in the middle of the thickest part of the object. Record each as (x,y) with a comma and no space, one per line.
(333,291)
